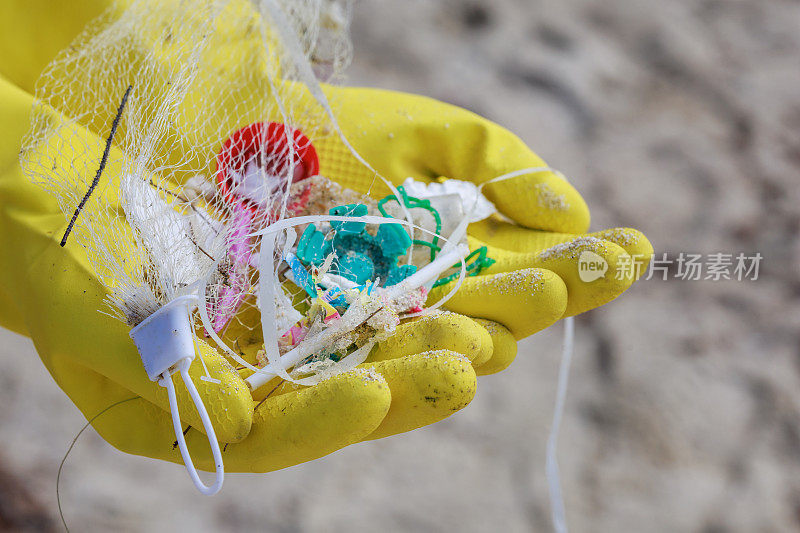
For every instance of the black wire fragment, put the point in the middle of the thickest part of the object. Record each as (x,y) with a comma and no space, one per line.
(103,162)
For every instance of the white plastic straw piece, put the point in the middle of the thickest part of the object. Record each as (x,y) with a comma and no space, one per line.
(429,272)
(551,464)
(166,381)
(334,280)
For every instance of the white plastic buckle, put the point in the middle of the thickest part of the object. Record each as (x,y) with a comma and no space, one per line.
(166,336)
(165,341)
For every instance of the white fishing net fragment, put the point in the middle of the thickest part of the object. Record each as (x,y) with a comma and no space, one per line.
(199,71)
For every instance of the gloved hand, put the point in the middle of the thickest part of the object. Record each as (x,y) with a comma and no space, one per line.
(50,293)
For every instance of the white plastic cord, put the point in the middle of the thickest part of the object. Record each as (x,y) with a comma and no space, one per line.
(268,235)
(207,375)
(551,464)
(166,381)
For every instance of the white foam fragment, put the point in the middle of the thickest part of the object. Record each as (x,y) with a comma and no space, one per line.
(473,202)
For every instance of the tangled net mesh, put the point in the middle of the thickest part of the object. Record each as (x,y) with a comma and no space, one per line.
(199,71)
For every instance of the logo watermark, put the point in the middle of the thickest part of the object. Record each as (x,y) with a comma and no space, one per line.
(591,266)
(683,266)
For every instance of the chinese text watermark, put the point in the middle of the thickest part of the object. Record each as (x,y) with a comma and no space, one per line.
(683,266)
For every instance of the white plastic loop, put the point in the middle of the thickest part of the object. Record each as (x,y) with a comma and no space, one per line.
(551,464)
(166,344)
(166,381)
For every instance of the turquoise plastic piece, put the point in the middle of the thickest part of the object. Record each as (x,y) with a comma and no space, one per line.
(361,257)
(393,239)
(398,274)
(355,267)
(349,210)
(313,247)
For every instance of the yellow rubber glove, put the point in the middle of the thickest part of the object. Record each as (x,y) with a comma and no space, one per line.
(101,367)
(532,284)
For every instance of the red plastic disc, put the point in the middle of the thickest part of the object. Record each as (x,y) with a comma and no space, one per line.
(253,143)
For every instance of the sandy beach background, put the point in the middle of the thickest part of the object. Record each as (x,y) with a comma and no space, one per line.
(680,118)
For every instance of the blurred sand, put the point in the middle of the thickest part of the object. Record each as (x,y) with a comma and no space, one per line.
(681,118)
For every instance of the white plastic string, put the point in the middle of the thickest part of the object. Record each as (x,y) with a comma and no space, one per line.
(266,295)
(551,460)
(166,381)
(279,364)
(551,463)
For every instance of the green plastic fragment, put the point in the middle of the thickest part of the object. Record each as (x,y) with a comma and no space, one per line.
(361,257)
(411,202)
(473,269)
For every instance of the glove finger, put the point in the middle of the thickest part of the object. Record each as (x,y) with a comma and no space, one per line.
(309,423)
(524,301)
(586,289)
(422,389)
(287,429)
(426,388)
(507,236)
(505,348)
(442,331)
